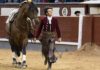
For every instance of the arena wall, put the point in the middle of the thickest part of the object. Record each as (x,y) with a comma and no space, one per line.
(67,21)
(69,28)
(65,9)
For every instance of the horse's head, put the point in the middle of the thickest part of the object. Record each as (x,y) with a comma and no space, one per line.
(29,9)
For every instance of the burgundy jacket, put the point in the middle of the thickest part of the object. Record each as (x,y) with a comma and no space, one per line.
(44,26)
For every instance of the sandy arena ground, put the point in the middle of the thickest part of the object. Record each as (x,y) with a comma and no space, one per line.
(86,59)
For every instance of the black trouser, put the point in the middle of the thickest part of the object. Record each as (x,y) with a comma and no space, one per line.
(48,45)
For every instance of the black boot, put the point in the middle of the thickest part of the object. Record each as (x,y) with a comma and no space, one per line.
(53,59)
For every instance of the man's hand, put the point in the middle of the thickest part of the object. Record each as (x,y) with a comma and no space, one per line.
(59,39)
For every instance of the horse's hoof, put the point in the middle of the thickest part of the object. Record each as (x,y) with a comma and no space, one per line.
(14,62)
(19,65)
(49,69)
(24,65)
(53,60)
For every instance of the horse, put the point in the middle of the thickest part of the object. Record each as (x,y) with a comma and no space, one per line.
(19,31)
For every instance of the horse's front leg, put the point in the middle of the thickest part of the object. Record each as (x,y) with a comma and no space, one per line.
(14,56)
(24,65)
(24,57)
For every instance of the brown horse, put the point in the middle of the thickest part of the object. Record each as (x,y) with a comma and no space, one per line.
(19,30)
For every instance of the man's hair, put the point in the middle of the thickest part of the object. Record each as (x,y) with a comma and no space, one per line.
(46,9)
(77,12)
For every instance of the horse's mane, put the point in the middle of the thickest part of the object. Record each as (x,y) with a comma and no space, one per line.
(32,5)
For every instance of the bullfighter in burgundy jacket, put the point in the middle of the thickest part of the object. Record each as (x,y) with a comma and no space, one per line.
(47,28)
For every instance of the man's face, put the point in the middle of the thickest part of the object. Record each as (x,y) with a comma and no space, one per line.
(77,14)
(49,12)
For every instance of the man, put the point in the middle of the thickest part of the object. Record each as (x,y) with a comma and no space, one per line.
(51,1)
(77,13)
(48,26)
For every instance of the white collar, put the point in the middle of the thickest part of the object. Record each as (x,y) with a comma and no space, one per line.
(49,18)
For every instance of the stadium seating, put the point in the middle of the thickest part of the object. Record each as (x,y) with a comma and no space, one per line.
(42,1)
(2,1)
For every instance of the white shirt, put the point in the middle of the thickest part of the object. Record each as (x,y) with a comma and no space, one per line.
(49,18)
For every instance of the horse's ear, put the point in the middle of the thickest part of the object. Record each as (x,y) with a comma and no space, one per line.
(24,2)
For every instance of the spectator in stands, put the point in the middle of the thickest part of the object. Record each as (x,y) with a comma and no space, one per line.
(78,0)
(2,1)
(73,0)
(56,1)
(16,1)
(77,13)
(59,1)
(44,1)
(51,1)
(37,0)
(67,0)
(41,1)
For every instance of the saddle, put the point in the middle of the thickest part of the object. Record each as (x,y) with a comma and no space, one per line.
(12,20)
